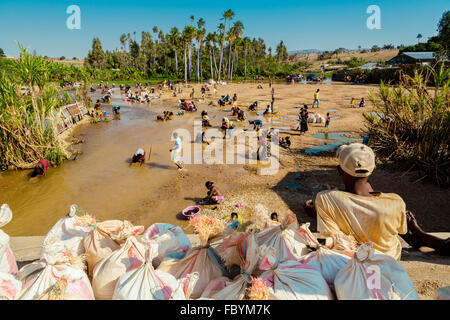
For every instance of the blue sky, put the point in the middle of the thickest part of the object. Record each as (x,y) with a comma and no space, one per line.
(301,24)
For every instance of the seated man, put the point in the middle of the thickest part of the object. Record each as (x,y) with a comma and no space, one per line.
(370,217)
(41,168)
(138,157)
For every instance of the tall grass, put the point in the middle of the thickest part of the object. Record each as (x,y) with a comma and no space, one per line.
(413,125)
(27,117)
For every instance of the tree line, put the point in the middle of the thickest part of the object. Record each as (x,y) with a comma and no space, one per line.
(193,53)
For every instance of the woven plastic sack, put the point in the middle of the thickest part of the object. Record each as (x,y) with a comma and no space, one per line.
(7,261)
(202,259)
(327,262)
(285,239)
(146,283)
(58,276)
(98,244)
(9,286)
(291,280)
(246,248)
(5,215)
(171,240)
(71,230)
(107,272)
(106,238)
(443,293)
(373,275)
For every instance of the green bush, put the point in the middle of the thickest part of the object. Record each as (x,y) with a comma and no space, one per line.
(414,126)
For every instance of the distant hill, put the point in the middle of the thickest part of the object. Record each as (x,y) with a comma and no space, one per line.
(315,63)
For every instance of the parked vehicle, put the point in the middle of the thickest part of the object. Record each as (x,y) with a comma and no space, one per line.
(295,77)
(312,77)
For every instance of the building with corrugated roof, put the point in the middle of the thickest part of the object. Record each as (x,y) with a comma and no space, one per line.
(413,58)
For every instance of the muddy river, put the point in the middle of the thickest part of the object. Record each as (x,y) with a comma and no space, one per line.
(101,180)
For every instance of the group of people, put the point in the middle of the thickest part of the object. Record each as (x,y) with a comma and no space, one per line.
(187,105)
(167,115)
(353,104)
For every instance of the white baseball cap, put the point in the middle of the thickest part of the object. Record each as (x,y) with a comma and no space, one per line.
(356,159)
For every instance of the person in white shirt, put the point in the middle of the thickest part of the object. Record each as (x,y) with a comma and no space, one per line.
(176,150)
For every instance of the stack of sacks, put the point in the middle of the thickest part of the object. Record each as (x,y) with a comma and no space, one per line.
(71,230)
(203,259)
(373,275)
(9,285)
(242,247)
(291,280)
(285,239)
(171,240)
(328,262)
(146,283)
(106,238)
(320,118)
(58,275)
(108,270)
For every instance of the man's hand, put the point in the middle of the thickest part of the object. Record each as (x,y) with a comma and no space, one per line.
(310,208)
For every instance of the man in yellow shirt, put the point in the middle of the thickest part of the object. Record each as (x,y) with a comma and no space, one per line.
(370,217)
(316,98)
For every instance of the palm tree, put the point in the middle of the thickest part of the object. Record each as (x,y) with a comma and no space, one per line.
(184,41)
(419,36)
(236,33)
(246,43)
(189,34)
(210,42)
(174,39)
(200,34)
(227,16)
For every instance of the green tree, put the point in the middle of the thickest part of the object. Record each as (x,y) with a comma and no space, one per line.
(199,35)
(419,36)
(375,48)
(227,16)
(174,40)
(96,56)
(444,32)
(281,50)
(2,53)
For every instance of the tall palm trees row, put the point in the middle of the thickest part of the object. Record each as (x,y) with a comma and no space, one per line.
(216,54)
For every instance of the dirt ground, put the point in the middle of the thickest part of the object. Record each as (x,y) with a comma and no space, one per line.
(300,176)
